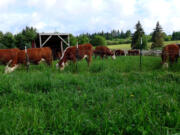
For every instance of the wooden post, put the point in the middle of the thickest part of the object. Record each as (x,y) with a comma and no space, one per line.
(141,55)
(40,41)
(68,40)
(27,59)
(77,56)
(62,51)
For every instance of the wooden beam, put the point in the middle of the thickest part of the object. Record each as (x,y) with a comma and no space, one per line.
(46,41)
(68,40)
(63,40)
(40,41)
(62,51)
(54,34)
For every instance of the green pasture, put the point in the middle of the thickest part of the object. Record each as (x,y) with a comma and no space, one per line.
(111,97)
(128,46)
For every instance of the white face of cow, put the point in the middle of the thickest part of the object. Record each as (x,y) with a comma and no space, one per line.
(62,66)
(10,69)
(57,66)
(114,57)
(165,65)
(85,56)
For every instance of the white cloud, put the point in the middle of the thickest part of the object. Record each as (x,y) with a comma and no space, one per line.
(77,16)
(6,3)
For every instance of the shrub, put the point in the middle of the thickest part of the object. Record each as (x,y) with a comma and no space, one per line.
(98,40)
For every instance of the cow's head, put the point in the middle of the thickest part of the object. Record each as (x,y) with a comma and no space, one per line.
(113,55)
(61,64)
(9,69)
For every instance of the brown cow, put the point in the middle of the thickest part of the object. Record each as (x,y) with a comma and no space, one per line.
(9,57)
(75,53)
(170,53)
(103,51)
(34,56)
(119,52)
(133,52)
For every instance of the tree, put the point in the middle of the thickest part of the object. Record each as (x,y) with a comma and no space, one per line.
(128,34)
(136,38)
(1,36)
(176,35)
(157,36)
(25,37)
(82,39)
(73,40)
(8,40)
(98,40)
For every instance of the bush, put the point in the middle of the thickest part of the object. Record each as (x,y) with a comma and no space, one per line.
(83,39)
(2,46)
(73,40)
(98,40)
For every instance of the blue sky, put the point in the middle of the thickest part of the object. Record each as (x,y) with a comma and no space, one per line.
(82,16)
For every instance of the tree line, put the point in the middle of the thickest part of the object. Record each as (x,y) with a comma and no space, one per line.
(157,37)
(19,40)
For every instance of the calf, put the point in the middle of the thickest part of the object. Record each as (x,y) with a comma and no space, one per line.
(75,53)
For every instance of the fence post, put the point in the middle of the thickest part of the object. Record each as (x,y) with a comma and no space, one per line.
(140,55)
(27,59)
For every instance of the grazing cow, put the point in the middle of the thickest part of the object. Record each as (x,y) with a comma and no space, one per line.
(103,51)
(75,53)
(9,57)
(170,53)
(34,56)
(119,53)
(133,52)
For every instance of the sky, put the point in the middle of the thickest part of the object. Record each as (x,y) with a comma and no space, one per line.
(82,16)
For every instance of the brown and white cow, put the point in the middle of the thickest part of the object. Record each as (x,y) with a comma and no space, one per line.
(9,57)
(103,51)
(133,52)
(170,53)
(75,53)
(33,55)
(119,53)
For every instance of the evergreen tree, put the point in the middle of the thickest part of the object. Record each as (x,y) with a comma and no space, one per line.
(128,34)
(136,38)
(157,36)
(25,37)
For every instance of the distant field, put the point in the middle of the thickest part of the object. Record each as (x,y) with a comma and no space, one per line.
(128,46)
(111,97)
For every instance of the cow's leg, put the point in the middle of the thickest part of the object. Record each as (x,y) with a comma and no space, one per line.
(89,59)
(176,59)
(95,56)
(165,61)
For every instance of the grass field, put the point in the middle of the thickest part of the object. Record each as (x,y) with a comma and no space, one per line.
(128,46)
(109,97)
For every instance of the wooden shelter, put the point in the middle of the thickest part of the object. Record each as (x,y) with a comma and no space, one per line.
(56,41)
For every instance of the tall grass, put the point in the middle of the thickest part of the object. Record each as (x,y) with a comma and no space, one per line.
(109,97)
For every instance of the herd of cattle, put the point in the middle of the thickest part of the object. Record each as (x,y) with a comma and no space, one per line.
(12,58)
